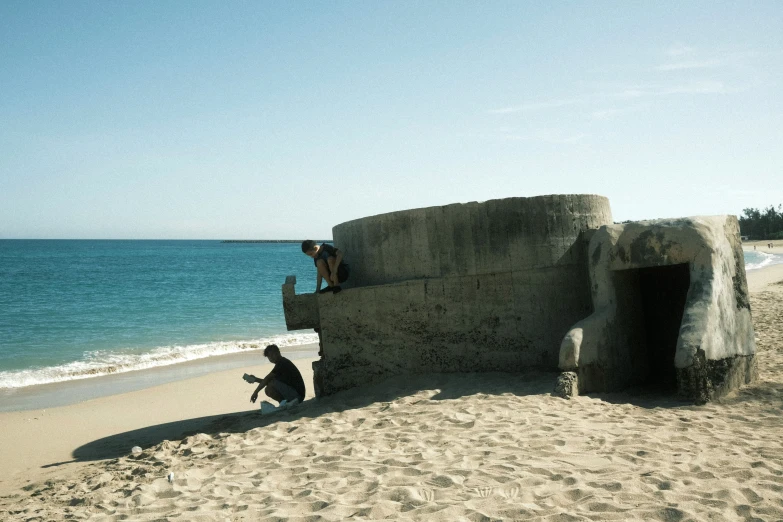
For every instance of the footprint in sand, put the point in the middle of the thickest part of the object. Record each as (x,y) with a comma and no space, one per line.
(509,492)
(427,495)
(483,492)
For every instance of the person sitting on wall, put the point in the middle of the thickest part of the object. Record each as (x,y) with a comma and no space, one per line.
(283,384)
(329,264)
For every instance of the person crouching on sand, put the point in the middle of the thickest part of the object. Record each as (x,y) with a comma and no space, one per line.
(329,264)
(284,383)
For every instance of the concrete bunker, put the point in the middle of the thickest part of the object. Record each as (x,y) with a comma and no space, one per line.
(546,282)
(670,311)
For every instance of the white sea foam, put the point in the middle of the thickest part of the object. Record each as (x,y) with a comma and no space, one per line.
(755,260)
(101,363)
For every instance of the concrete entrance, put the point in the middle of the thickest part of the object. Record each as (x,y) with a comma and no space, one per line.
(662,294)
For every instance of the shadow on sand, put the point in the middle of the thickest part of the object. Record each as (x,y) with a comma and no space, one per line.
(444,386)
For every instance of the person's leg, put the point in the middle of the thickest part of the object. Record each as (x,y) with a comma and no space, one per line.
(323,271)
(342,273)
(333,268)
(272,392)
(279,390)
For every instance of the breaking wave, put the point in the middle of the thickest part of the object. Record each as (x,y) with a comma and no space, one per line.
(755,260)
(101,363)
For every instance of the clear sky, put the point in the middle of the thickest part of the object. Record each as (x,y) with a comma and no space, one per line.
(190,119)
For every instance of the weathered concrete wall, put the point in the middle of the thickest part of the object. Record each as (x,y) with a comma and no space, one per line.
(495,236)
(715,348)
(473,287)
(489,322)
(300,311)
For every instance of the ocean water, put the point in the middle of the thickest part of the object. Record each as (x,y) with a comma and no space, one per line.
(755,260)
(74,309)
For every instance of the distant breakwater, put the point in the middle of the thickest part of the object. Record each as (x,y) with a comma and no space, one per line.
(271,240)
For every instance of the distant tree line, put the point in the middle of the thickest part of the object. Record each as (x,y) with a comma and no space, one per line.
(762,224)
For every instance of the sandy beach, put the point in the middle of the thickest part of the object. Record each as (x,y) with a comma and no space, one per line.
(443,447)
(763,246)
(760,279)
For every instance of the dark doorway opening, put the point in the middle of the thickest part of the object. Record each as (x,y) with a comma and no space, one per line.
(663,291)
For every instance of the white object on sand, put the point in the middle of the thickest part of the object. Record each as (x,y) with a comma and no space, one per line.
(171,477)
(136,450)
(267,408)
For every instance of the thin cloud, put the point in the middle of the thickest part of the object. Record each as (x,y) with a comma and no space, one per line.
(688,58)
(682,58)
(704,87)
(634,92)
(608,114)
(678,50)
(547,136)
(684,66)
(535,106)
(713,87)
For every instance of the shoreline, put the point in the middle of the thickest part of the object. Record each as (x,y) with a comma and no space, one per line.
(64,393)
(760,279)
(37,444)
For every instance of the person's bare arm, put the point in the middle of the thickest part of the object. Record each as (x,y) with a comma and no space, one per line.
(261,384)
(318,283)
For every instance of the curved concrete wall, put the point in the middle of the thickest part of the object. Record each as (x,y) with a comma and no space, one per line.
(468,238)
(490,286)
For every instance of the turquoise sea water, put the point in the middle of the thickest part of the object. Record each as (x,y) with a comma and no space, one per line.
(79,309)
(73,309)
(755,260)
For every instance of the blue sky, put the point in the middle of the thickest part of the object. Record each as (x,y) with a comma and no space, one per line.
(282,119)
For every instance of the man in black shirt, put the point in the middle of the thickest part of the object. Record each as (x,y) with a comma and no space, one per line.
(329,263)
(284,382)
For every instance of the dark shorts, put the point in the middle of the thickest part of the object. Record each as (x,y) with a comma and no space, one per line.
(343,271)
(285,390)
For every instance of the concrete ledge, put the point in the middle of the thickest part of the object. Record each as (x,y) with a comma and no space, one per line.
(301,311)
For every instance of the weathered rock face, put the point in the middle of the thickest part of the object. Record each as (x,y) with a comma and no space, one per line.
(670,306)
(468,287)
